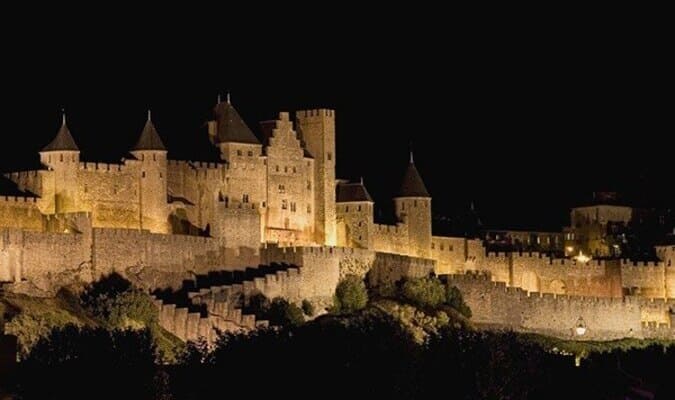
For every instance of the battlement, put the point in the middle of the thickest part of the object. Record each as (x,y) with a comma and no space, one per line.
(199,165)
(320,112)
(101,167)
(642,264)
(17,176)
(113,233)
(398,229)
(18,200)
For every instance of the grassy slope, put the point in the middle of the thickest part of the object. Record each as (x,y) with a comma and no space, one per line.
(29,318)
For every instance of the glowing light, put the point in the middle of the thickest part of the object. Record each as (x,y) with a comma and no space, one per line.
(569,249)
(580,327)
(581,257)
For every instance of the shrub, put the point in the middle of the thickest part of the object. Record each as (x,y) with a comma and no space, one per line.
(455,300)
(114,302)
(424,292)
(308,308)
(283,313)
(350,295)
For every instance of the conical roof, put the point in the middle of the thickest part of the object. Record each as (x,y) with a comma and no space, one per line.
(149,139)
(63,141)
(412,185)
(231,128)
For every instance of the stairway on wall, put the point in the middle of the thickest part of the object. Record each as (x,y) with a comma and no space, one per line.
(214,302)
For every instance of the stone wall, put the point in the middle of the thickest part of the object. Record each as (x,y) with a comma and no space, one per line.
(495,304)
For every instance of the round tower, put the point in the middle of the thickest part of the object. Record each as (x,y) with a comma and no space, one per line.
(413,207)
(62,157)
(152,193)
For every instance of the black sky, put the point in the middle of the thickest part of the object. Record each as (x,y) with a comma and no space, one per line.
(523,120)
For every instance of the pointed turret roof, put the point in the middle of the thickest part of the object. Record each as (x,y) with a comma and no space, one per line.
(149,139)
(412,185)
(347,192)
(231,128)
(63,141)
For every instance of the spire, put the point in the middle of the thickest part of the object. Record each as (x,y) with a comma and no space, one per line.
(350,192)
(230,126)
(219,101)
(412,184)
(412,161)
(149,139)
(64,140)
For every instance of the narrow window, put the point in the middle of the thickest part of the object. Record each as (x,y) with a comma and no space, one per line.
(329,156)
(250,153)
(284,204)
(245,198)
(309,185)
(238,152)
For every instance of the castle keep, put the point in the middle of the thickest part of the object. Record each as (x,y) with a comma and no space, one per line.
(270,217)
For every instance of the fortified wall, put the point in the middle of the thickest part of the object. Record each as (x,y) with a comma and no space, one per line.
(495,305)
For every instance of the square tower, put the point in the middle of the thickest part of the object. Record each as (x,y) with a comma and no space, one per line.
(317,130)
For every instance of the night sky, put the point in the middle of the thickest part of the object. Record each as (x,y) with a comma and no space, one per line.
(523,122)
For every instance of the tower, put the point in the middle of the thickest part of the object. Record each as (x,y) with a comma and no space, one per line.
(413,207)
(62,157)
(152,193)
(317,130)
(231,135)
(354,215)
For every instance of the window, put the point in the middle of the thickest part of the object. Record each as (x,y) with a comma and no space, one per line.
(309,185)
(359,208)
(250,153)
(284,204)
(402,206)
(360,223)
(238,152)
(143,174)
(160,175)
(433,246)
(154,157)
(415,203)
(61,158)
(245,198)
(295,170)
(450,247)
(264,204)
(329,156)
(282,189)
(293,207)
(277,168)
(346,208)
(442,247)
(286,169)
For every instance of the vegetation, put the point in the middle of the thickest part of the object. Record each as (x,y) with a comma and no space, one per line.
(279,311)
(308,308)
(424,292)
(350,295)
(454,298)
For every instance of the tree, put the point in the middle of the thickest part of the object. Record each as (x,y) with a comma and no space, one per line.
(283,313)
(424,292)
(455,300)
(350,295)
(117,304)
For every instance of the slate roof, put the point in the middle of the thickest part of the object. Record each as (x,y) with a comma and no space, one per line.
(231,128)
(63,141)
(347,192)
(149,139)
(412,184)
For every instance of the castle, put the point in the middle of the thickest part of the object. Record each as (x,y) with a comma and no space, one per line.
(272,218)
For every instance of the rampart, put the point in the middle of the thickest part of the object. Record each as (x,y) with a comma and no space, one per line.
(495,304)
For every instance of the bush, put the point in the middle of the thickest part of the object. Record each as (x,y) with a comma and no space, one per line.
(424,292)
(350,295)
(283,313)
(114,302)
(455,300)
(308,308)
